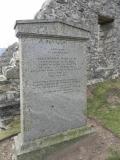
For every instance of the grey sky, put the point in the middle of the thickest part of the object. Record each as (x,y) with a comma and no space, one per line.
(12,10)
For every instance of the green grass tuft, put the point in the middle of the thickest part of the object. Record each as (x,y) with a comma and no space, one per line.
(99,107)
(114,155)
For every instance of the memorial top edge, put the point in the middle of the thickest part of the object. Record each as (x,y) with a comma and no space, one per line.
(44,28)
(18,22)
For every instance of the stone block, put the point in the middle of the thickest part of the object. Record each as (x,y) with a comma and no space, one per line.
(53,79)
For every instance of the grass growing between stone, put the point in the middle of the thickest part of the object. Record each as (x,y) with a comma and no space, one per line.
(12,129)
(104,104)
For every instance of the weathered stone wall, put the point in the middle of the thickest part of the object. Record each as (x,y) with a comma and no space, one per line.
(107,58)
(7,55)
(9,84)
(101,18)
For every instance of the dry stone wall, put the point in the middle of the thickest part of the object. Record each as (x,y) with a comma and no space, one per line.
(102,18)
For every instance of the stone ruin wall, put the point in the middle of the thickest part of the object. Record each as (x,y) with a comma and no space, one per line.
(5,58)
(102,19)
(9,85)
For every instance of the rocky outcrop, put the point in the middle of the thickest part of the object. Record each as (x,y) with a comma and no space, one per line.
(9,100)
(7,55)
(9,85)
(12,70)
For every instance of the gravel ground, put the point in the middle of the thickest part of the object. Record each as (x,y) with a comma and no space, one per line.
(93,147)
(6,149)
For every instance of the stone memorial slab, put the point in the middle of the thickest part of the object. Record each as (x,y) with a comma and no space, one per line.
(53,78)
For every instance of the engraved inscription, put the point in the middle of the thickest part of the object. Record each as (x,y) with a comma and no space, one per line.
(55,68)
(66,85)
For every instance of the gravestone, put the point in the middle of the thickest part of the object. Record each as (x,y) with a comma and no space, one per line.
(53,84)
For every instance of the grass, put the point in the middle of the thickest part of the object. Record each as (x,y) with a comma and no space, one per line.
(114,155)
(100,108)
(13,128)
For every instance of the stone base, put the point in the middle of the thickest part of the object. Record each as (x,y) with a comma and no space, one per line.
(42,149)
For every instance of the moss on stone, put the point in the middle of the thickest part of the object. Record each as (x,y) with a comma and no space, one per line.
(57,138)
(46,147)
(65,136)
